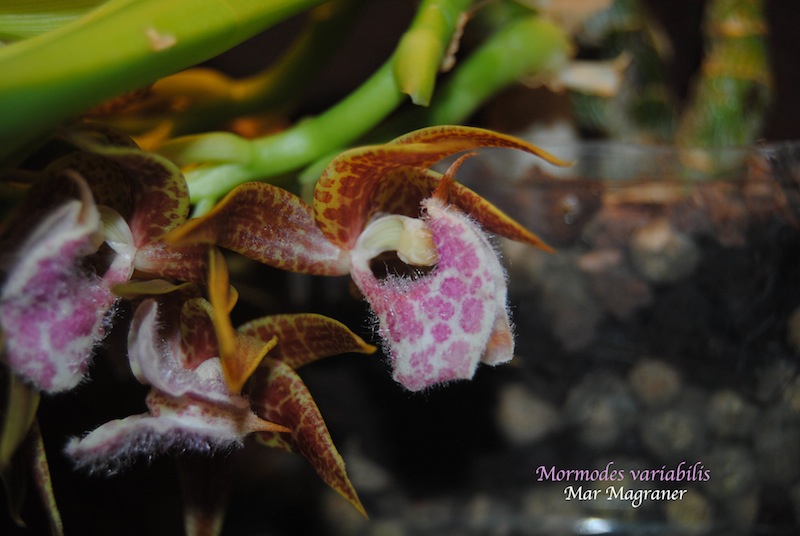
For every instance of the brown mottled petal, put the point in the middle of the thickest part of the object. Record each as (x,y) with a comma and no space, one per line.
(345,192)
(282,397)
(161,196)
(492,218)
(268,224)
(106,179)
(346,189)
(184,263)
(198,339)
(303,338)
(401,191)
(473,138)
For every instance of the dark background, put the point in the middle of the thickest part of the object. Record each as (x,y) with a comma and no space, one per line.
(144,500)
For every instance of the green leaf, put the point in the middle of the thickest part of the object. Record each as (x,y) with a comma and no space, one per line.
(21,19)
(19,414)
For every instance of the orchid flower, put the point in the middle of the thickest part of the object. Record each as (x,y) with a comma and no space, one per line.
(175,344)
(56,302)
(437,325)
(52,310)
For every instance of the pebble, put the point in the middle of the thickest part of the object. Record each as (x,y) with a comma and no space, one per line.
(488,517)
(613,283)
(793,330)
(661,253)
(775,443)
(794,496)
(655,383)
(791,396)
(742,511)
(544,512)
(732,470)
(694,515)
(386,527)
(366,475)
(341,517)
(565,296)
(673,433)
(614,224)
(773,379)
(524,418)
(602,409)
(729,415)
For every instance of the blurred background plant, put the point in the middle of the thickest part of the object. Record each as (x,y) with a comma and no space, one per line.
(240,90)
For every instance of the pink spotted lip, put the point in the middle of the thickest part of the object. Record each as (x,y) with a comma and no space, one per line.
(439,327)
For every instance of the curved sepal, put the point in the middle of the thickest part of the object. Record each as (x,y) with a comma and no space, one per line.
(346,190)
(282,397)
(240,355)
(147,189)
(268,224)
(198,338)
(184,263)
(303,338)
(401,190)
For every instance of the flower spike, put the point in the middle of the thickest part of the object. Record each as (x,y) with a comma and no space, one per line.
(239,354)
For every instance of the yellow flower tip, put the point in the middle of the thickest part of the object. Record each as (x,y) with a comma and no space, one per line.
(535,241)
(260,425)
(442,191)
(222,296)
(366,348)
(241,361)
(151,287)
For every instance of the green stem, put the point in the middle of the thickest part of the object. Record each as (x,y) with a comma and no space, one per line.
(421,50)
(118,47)
(290,149)
(210,99)
(310,139)
(530,46)
(524,48)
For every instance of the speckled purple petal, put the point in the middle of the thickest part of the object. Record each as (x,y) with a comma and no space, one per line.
(189,409)
(52,308)
(156,360)
(438,327)
(173,425)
